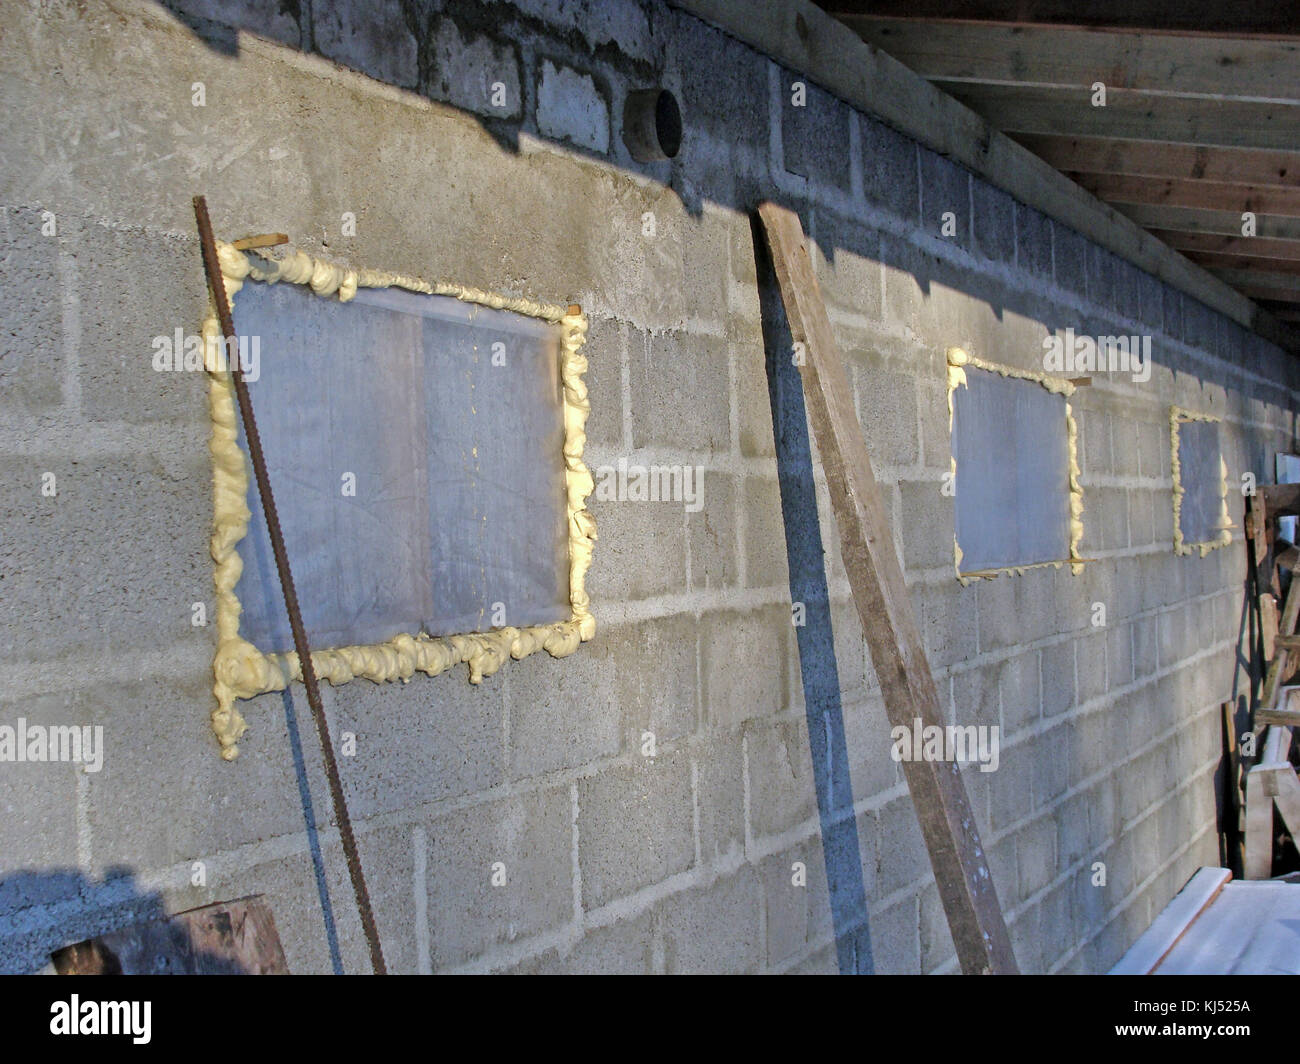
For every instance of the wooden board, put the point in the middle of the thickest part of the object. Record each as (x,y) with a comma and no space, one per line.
(888,622)
(228,938)
(1174,920)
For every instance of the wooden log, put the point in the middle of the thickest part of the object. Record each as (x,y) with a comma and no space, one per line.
(228,938)
(960,866)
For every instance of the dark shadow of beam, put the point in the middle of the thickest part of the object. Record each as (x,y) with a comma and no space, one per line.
(817,666)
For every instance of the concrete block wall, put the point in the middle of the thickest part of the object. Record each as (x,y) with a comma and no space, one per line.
(480,142)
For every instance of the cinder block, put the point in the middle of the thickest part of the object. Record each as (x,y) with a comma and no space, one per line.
(1151,302)
(1071,818)
(846,257)
(895,939)
(31,340)
(571,107)
(796,901)
(872,768)
(889,169)
(606,350)
(945,189)
(717,929)
(901,856)
(1011,787)
(936,432)
(720,801)
(949,622)
(1058,677)
(1027,940)
(126,312)
(680,392)
(1124,441)
(1033,242)
(634,827)
(815,136)
(112,562)
(766,558)
(1070,255)
(1090,666)
(622,23)
(1105,519)
(38,801)
(782,788)
(745,656)
(928,524)
(467,72)
(723,84)
(714,533)
(655,684)
(566,712)
(1036,855)
(753,406)
(993,222)
(372,38)
(630,532)
(1021,691)
(888,413)
(1119,655)
(1051,773)
(531,835)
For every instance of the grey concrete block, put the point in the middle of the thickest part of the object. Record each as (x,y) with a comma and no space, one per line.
(1105,520)
(114,561)
(796,901)
(473,71)
(1151,302)
(846,258)
(1033,242)
(714,534)
(782,789)
(945,189)
(1021,694)
(1051,780)
(606,350)
(1119,655)
(1011,787)
(1058,662)
(1070,255)
(936,431)
(1094,443)
(634,827)
(901,856)
(949,622)
(890,179)
(31,320)
(716,929)
(745,661)
(766,560)
(888,412)
(1036,855)
(815,136)
(720,763)
(128,313)
(375,39)
(680,392)
(657,687)
(1090,665)
(571,107)
(993,223)
(625,24)
(1125,444)
(872,769)
(564,712)
(630,532)
(1174,305)
(895,940)
(928,524)
(531,834)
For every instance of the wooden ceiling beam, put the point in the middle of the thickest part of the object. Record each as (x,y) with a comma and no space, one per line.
(1260,18)
(1201,195)
(1232,68)
(1145,158)
(1215,243)
(1213,260)
(1132,116)
(1281,287)
(1223,223)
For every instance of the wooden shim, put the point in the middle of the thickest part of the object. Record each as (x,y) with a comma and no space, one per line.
(867,545)
(228,938)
